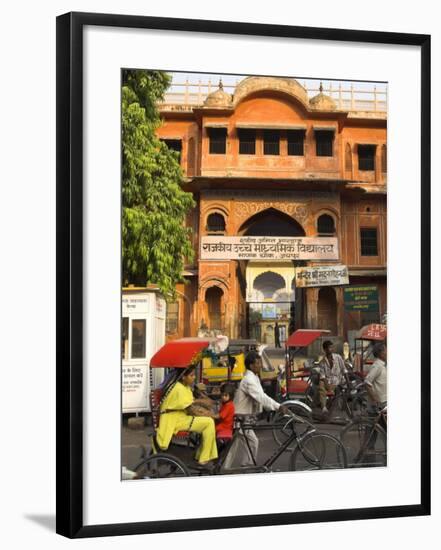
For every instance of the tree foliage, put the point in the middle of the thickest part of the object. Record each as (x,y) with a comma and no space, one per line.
(154,238)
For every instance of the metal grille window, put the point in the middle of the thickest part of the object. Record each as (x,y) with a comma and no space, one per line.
(295,140)
(215,223)
(366,157)
(369,241)
(271,142)
(218,141)
(172,319)
(138,338)
(323,143)
(247,142)
(325,225)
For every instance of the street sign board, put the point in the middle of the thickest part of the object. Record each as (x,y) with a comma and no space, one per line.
(361,298)
(329,275)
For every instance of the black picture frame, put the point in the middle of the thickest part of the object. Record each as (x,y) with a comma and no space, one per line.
(69,293)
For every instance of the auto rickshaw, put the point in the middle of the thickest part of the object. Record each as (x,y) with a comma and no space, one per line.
(227,362)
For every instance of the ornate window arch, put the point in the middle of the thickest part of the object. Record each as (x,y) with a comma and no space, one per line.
(326,225)
(215,223)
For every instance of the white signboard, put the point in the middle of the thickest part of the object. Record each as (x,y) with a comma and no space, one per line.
(135,387)
(330,275)
(269,248)
(136,303)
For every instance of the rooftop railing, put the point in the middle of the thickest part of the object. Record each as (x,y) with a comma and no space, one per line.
(187,95)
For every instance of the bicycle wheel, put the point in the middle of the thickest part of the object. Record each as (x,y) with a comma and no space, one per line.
(318,451)
(161,465)
(284,424)
(365,443)
(340,411)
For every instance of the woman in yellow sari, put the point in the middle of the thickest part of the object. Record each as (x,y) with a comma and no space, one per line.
(175,418)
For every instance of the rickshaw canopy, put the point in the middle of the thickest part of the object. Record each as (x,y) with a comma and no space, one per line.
(180,353)
(373,332)
(303,337)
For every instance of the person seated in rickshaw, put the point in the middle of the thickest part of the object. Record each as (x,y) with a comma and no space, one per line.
(176,415)
(332,373)
(225,418)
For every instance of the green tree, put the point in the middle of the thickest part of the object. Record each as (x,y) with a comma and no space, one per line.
(154,238)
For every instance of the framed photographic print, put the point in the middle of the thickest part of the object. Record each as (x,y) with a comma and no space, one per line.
(243,248)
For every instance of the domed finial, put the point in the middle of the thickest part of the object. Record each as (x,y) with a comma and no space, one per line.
(221,86)
(321,88)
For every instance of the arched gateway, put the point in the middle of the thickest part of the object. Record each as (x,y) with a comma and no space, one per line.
(270,290)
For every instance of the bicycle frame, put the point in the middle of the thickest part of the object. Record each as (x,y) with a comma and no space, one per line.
(266,466)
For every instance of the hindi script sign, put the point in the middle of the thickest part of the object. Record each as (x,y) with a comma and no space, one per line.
(269,248)
(330,275)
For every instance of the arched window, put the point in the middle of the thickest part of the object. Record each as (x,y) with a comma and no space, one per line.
(325,225)
(215,223)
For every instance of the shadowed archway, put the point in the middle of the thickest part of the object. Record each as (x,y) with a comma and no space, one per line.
(271,223)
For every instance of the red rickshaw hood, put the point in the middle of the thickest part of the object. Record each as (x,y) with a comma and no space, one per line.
(180,353)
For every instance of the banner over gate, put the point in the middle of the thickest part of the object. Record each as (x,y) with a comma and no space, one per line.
(269,248)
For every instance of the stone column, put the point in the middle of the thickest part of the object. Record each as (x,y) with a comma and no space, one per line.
(340,312)
(311,307)
(378,164)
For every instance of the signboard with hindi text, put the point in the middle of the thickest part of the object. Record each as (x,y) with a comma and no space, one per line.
(268,248)
(361,298)
(329,275)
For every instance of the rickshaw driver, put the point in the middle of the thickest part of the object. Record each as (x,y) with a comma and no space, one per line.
(249,401)
(175,416)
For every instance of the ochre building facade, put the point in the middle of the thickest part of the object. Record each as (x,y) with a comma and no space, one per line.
(268,160)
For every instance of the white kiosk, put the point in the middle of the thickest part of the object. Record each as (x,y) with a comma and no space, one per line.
(142,334)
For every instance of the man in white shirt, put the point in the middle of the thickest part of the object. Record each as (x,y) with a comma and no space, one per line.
(249,401)
(332,370)
(376,379)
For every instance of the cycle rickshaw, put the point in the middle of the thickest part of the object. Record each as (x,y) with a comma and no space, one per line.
(309,449)
(301,383)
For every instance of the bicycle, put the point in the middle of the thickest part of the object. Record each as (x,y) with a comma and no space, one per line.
(365,440)
(313,450)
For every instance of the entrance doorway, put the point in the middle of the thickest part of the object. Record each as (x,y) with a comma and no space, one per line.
(270,293)
(262,317)
(270,300)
